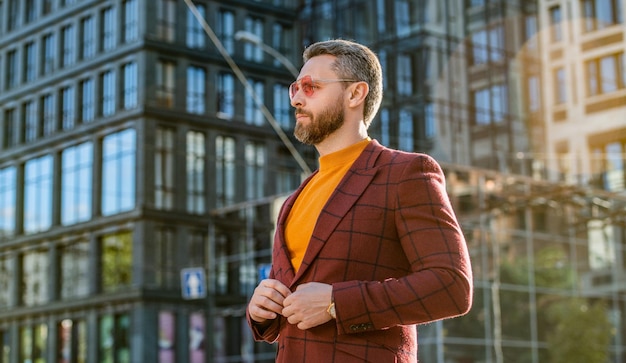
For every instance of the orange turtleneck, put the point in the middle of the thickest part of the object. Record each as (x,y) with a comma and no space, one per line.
(305,212)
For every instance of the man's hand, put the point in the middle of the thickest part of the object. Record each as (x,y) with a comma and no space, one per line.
(306,307)
(267,300)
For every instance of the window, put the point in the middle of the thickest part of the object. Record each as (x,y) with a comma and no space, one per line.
(381,16)
(279,42)
(114,338)
(611,165)
(196,159)
(118,172)
(606,74)
(107,93)
(225,170)
(253,114)
(76,183)
(30,11)
(405,131)
(30,62)
(195,33)
(403,17)
(74,274)
(490,104)
(68,35)
(47,6)
(226,30)
(13,18)
(405,75)
(131,23)
(49,53)
(30,121)
(116,261)
(11,71)
(166,20)
(599,14)
(196,90)
(48,113)
(226,96)
(35,272)
(87,100)
(88,42)
(166,272)
(7,274)
(197,248)
(252,51)
(108,29)
(38,194)
(8,192)
(72,345)
(488,45)
(534,93)
(11,129)
(560,84)
(530,31)
(68,109)
(33,343)
(164,169)
(282,106)
(130,85)
(556,24)
(165,86)
(255,170)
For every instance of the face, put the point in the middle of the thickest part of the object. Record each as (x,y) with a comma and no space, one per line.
(320,110)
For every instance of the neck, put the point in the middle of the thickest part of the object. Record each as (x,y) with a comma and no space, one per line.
(341,139)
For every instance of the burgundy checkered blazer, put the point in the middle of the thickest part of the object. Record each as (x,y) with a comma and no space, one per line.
(389,243)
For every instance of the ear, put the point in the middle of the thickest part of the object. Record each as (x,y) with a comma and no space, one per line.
(359,91)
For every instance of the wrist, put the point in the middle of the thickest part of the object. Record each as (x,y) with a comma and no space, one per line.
(331,309)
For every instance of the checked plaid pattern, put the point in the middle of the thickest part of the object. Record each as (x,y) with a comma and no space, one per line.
(390,244)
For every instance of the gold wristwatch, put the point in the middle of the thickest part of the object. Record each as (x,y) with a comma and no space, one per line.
(331,310)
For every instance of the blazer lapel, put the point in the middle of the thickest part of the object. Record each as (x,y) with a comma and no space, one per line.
(343,198)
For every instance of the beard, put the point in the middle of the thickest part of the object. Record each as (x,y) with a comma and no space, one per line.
(320,126)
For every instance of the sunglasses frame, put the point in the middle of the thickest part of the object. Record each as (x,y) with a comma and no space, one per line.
(307,84)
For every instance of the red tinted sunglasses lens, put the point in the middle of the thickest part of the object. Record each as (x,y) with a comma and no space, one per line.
(305,83)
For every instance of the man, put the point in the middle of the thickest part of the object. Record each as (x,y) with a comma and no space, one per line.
(368,246)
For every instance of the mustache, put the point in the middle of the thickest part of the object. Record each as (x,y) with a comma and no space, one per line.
(302,112)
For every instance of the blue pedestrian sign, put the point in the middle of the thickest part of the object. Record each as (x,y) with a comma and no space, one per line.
(264,271)
(193,283)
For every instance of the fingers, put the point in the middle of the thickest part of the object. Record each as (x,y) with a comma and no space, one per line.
(267,300)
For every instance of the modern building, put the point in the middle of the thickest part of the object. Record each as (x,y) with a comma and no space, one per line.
(127,143)
(142,161)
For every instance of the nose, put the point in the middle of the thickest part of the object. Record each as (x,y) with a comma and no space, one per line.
(296,100)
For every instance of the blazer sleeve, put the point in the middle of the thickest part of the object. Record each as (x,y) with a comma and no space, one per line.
(439,284)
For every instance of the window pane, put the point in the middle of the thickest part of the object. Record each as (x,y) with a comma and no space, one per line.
(196,159)
(7,272)
(76,180)
(167,337)
(74,265)
(118,172)
(116,261)
(197,337)
(130,85)
(164,170)
(35,272)
(38,194)
(196,90)
(8,192)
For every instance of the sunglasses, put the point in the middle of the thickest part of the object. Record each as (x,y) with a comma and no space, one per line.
(308,85)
